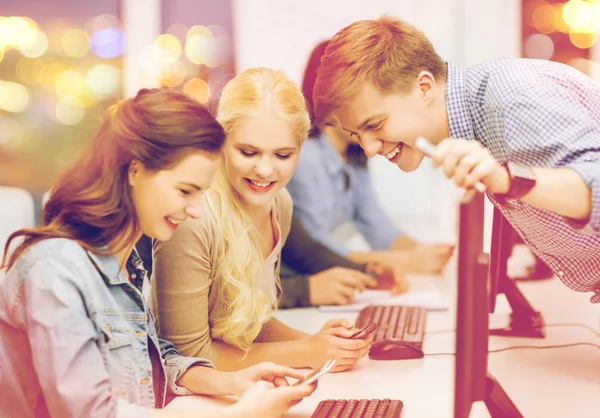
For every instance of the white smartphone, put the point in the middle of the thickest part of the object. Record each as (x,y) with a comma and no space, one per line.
(428,149)
(316,374)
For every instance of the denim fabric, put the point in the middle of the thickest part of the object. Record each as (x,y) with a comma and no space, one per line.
(78,340)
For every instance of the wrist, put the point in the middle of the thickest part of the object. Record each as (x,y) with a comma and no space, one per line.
(504,182)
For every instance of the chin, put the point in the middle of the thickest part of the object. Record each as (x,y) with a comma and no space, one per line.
(410,165)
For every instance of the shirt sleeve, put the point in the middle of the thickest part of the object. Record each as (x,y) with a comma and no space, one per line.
(176,365)
(306,255)
(180,289)
(65,353)
(369,217)
(309,207)
(555,121)
(295,289)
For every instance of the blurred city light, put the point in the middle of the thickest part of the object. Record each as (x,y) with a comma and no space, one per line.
(539,46)
(69,84)
(104,80)
(167,48)
(197,89)
(14,97)
(69,111)
(36,45)
(173,74)
(108,43)
(75,43)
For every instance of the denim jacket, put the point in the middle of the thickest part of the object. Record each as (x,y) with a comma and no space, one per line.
(77,338)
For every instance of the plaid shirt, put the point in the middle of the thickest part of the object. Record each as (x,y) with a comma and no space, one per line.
(540,114)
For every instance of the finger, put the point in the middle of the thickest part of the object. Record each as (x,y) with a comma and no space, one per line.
(481,171)
(359,280)
(440,152)
(400,287)
(345,290)
(468,195)
(277,370)
(340,334)
(292,393)
(334,323)
(350,345)
(280,381)
(465,165)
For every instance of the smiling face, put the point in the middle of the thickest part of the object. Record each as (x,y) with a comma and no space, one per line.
(389,123)
(260,157)
(164,198)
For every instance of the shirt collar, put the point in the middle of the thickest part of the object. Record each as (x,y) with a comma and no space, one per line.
(459,119)
(333,161)
(109,266)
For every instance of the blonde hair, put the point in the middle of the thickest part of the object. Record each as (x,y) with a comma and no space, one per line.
(386,52)
(238,248)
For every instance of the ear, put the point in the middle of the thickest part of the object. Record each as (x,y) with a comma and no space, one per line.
(426,85)
(134,170)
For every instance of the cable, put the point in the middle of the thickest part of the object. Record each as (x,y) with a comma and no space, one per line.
(520,347)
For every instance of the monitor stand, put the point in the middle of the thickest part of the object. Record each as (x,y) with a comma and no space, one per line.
(497,401)
(524,320)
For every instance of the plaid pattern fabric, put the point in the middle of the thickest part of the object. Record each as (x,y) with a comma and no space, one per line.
(540,114)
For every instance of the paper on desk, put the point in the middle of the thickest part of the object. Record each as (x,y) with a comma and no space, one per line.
(425,296)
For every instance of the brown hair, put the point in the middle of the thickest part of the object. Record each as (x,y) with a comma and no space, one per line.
(91,202)
(386,52)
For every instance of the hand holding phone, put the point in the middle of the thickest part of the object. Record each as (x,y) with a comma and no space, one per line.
(316,374)
(428,149)
(365,331)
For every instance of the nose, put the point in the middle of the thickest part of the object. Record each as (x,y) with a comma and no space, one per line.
(371,145)
(193,209)
(263,168)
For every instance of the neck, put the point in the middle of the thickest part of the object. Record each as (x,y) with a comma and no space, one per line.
(123,255)
(441,110)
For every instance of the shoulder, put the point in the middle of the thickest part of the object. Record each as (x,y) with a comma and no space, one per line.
(59,251)
(505,80)
(51,264)
(311,154)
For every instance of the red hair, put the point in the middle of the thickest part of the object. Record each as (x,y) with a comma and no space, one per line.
(91,202)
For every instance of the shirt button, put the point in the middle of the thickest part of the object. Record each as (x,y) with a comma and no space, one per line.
(145,381)
(560,273)
(134,276)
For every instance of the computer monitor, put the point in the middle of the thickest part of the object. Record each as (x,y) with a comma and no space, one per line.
(525,321)
(472,381)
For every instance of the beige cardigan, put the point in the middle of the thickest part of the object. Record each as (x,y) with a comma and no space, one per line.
(181,297)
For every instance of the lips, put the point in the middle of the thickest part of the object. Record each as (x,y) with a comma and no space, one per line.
(260,186)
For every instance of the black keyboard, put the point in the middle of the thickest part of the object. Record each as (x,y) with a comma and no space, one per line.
(400,331)
(355,408)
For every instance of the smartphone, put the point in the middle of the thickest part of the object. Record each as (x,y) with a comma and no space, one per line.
(363,332)
(428,149)
(316,374)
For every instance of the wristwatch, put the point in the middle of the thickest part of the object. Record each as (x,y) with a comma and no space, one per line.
(522,179)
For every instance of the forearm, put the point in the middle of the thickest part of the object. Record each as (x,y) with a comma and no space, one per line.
(296,293)
(562,191)
(206,381)
(403,242)
(365,257)
(276,331)
(286,353)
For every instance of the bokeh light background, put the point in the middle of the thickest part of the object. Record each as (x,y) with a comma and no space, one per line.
(61,65)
